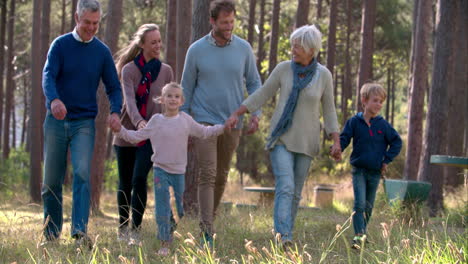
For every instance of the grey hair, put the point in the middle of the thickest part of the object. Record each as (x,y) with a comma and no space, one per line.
(88,5)
(309,37)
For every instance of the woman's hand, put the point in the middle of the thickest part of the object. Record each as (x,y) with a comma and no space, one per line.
(141,124)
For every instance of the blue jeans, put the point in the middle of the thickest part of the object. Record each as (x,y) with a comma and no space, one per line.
(134,163)
(164,218)
(365,184)
(77,134)
(290,170)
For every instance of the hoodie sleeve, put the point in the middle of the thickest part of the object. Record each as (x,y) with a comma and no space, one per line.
(346,134)
(394,142)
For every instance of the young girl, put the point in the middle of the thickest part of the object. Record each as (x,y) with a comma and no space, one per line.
(169,133)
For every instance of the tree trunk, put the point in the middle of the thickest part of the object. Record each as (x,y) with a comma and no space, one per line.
(35,122)
(302,13)
(13,124)
(261,50)
(9,82)
(319,10)
(274,35)
(389,87)
(435,142)
(184,18)
(25,110)
(111,37)
(419,84)
(347,88)
(251,26)
(392,120)
(200,27)
(331,47)
(367,50)
(200,19)
(457,110)
(3,7)
(171,34)
(413,38)
(72,14)
(64,14)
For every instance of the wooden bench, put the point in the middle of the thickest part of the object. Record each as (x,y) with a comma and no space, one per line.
(452,161)
(267,194)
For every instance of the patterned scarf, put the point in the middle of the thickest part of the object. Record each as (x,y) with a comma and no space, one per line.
(149,73)
(302,77)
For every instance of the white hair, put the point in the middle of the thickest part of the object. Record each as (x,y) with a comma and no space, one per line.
(88,5)
(309,37)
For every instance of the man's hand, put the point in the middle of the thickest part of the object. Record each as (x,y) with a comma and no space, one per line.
(231,122)
(114,122)
(253,125)
(59,111)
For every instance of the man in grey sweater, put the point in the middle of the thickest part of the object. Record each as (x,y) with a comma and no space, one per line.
(217,67)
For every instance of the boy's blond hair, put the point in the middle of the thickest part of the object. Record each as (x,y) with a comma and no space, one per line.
(167,86)
(372,88)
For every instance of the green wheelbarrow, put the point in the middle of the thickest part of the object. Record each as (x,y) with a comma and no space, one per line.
(406,191)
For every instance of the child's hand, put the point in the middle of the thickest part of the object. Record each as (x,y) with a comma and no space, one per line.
(383,170)
(114,124)
(335,152)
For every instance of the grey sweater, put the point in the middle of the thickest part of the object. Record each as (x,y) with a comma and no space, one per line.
(130,116)
(304,134)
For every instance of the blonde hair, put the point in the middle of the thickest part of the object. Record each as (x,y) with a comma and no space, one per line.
(372,88)
(166,87)
(129,53)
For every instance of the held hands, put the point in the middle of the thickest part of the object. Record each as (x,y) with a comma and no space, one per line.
(58,109)
(335,151)
(231,122)
(141,124)
(253,125)
(114,122)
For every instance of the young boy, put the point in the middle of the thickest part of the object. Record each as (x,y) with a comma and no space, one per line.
(375,144)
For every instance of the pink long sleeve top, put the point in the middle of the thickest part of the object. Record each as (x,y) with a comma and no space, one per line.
(169,139)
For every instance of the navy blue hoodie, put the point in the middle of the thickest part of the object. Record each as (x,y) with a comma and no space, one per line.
(372,145)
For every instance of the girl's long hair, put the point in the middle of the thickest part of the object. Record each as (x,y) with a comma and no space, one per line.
(129,53)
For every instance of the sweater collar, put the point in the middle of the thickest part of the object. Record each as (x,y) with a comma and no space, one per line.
(78,38)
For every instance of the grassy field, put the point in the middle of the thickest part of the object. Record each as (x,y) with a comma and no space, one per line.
(244,234)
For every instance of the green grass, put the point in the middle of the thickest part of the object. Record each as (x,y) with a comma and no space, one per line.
(244,235)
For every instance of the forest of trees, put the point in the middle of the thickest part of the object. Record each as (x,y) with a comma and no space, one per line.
(417,49)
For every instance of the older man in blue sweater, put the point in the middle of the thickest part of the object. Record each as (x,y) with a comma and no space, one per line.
(76,62)
(217,68)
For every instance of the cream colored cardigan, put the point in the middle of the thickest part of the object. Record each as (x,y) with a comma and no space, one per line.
(304,134)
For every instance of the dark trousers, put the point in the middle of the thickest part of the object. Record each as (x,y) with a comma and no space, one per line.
(134,164)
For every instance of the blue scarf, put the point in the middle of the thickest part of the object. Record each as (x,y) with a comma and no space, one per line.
(302,77)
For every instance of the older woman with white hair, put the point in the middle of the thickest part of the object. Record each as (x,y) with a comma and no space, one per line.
(303,85)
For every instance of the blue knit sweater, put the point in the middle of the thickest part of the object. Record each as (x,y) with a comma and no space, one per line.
(214,79)
(372,145)
(72,73)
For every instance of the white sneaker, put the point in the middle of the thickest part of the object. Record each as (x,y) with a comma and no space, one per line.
(164,252)
(134,238)
(122,235)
